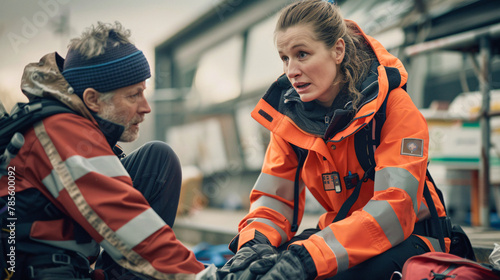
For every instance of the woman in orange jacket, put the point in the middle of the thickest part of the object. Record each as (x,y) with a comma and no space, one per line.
(336,79)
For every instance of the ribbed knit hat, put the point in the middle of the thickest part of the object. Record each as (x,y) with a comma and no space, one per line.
(119,66)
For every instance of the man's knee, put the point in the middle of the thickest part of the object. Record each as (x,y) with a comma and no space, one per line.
(156,172)
(158,148)
(160,153)
(154,158)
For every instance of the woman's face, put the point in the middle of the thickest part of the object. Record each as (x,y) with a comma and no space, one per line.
(310,66)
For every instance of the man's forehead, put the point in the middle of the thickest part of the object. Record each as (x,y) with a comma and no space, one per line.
(139,87)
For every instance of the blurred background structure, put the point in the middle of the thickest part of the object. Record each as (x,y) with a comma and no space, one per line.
(213,59)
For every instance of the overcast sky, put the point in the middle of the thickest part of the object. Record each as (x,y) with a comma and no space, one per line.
(27,29)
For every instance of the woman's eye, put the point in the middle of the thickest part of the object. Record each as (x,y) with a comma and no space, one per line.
(284,58)
(302,54)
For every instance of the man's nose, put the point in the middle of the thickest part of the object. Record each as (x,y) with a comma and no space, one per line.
(144,107)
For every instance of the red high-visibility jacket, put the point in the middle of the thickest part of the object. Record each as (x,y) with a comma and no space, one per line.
(100,198)
(387,209)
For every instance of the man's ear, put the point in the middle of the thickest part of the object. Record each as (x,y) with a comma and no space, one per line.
(339,50)
(91,99)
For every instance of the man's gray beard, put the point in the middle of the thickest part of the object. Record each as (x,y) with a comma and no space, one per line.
(109,114)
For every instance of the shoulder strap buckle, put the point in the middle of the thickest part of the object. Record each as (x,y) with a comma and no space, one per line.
(61,259)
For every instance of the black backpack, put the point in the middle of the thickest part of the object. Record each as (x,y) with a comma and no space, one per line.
(22,117)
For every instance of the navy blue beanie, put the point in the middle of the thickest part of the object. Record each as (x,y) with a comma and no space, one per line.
(119,66)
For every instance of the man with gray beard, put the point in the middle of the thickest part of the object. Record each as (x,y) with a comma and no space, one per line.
(77,194)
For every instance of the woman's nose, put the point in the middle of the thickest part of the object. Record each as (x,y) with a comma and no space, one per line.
(293,69)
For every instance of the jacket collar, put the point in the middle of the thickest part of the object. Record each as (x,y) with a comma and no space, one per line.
(112,131)
(321,121)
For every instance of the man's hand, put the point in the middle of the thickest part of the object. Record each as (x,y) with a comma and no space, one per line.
(243,258)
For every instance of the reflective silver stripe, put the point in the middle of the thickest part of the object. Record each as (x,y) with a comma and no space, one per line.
(132,261)
(111,250)
(148,222)
(338,250)
(385,216)
(106,165)
(79,166)
(87,249)
(276,186)
(284,237)
(400,178)
(435,244)
(423,212)
(274,204)
(53,184)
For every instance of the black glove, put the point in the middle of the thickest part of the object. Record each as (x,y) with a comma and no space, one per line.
(243,258)
(295,263)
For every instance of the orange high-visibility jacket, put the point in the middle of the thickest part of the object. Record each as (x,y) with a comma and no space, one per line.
(97,194)
(387,209)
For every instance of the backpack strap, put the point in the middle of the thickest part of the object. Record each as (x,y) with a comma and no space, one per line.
(346,206)
(434,215)
(460,242)
(367,140)
(301,158)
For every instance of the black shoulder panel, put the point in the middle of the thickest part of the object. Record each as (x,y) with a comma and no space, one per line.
(393,77)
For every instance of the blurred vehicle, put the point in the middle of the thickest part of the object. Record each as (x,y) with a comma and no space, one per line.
(212,254)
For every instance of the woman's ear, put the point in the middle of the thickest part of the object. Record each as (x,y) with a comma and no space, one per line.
(339,50)
(91,99)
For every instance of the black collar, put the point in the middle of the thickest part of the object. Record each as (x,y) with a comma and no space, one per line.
(112,131)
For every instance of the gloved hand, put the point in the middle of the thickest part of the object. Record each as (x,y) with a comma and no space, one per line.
(209,273)
(295,263)
(243,258)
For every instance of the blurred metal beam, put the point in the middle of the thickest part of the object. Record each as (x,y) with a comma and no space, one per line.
(454,42)
(224,20)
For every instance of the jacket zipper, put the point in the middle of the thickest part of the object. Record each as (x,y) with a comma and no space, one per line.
(363,104)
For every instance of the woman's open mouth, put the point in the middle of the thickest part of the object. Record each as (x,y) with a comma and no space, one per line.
(301,87)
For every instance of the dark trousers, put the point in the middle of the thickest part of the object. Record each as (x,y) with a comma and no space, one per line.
(378,267)
(156,172)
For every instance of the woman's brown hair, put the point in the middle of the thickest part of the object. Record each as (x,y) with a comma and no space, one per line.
(328,25)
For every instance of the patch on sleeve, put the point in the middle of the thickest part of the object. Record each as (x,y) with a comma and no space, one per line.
(412,147)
